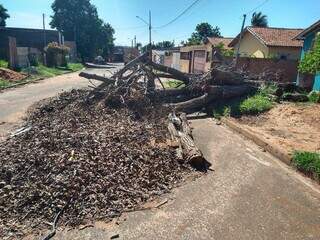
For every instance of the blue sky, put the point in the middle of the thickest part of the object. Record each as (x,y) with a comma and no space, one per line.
(121,14)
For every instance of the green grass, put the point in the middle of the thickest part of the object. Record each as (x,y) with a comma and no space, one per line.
(173,84)
(4,83)
(75,66)
(308,162)
(3,64)
(256,104)
(43,72)
(314,97)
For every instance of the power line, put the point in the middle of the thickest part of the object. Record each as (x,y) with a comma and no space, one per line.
(259,6)
(180,15)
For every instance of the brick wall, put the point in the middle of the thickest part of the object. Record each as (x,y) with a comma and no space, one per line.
(286,69)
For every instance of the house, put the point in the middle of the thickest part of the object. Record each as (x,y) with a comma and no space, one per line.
(24,42)
(168,57)
(265,42)
(308,36)
(198,58)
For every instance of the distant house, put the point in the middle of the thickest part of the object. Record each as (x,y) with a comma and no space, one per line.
(25,41)
(265,42)
(198,58)
(308,36)
(168,57)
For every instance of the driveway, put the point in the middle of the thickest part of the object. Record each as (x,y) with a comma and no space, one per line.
(249,195)
(15,102)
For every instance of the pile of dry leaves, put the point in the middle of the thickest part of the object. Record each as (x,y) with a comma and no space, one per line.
(11,75)
(93,161)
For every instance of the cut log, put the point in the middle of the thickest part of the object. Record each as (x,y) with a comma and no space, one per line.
(222,77)
(180,132)
(176,74)
(96,77)
(213,93)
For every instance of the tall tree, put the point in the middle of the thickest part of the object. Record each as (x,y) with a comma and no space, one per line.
(203,30)
(79,20)
(3,16)
(259,20)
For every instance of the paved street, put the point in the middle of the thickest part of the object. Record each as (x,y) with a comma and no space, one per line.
(250,195)
(15,102)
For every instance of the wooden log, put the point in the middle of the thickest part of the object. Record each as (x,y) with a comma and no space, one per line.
(96,77)
(213,93)
(223,77)
(173,72)
(180,132)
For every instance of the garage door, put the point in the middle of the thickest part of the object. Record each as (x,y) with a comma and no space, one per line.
(199,61)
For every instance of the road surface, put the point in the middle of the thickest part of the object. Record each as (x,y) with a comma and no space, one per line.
(249,195)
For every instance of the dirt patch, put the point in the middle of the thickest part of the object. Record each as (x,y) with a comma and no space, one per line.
(11,75)
(289,126)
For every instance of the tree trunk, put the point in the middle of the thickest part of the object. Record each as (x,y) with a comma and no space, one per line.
(180,132)
(222,77)
(173,72)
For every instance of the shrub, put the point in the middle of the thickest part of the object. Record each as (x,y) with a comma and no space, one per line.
(308,162)
(256,104)
(314,97)
(56,55)
(3,63)
(311,61)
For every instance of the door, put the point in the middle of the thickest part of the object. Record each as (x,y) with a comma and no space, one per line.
(199,61)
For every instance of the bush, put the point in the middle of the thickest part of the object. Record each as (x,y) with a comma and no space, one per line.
(308,162)
(256,104)
(3,63)
(56,55)
(311,61)
(314,97)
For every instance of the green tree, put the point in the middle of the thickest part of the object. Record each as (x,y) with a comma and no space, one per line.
(203,31)
(311,61)
(164,45)
(79,20)
(259,20)
(3,16)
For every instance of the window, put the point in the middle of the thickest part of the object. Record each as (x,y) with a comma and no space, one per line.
(184,55)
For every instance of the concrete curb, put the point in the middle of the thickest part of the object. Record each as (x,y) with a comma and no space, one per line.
(265,144)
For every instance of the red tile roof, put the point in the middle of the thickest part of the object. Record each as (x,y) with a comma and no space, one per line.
(273,37)
(216,41)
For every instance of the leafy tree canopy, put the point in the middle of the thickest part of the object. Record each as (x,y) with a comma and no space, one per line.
(311,61)
(79,20)
(159,45)
(203,31)
(3,16)
(259,20)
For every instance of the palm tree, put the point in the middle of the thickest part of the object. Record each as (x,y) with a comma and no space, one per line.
(3,16)
(259,20)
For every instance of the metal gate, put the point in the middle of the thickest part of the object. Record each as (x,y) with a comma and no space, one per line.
(199,61)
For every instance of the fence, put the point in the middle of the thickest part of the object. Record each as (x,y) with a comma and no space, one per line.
(286,70)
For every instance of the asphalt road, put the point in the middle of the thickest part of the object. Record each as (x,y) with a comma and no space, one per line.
(249,195)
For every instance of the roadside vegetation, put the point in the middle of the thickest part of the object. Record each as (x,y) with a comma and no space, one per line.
(173,84)
(307,162)
(259,102)
(39,72)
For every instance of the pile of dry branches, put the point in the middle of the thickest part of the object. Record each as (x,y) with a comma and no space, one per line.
(92,161)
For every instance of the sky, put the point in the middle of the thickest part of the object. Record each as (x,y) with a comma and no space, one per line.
(121,14)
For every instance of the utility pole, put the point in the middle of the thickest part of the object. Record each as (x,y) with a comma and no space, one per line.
(240,38)
(135,41)
(150,28)
(44,38)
